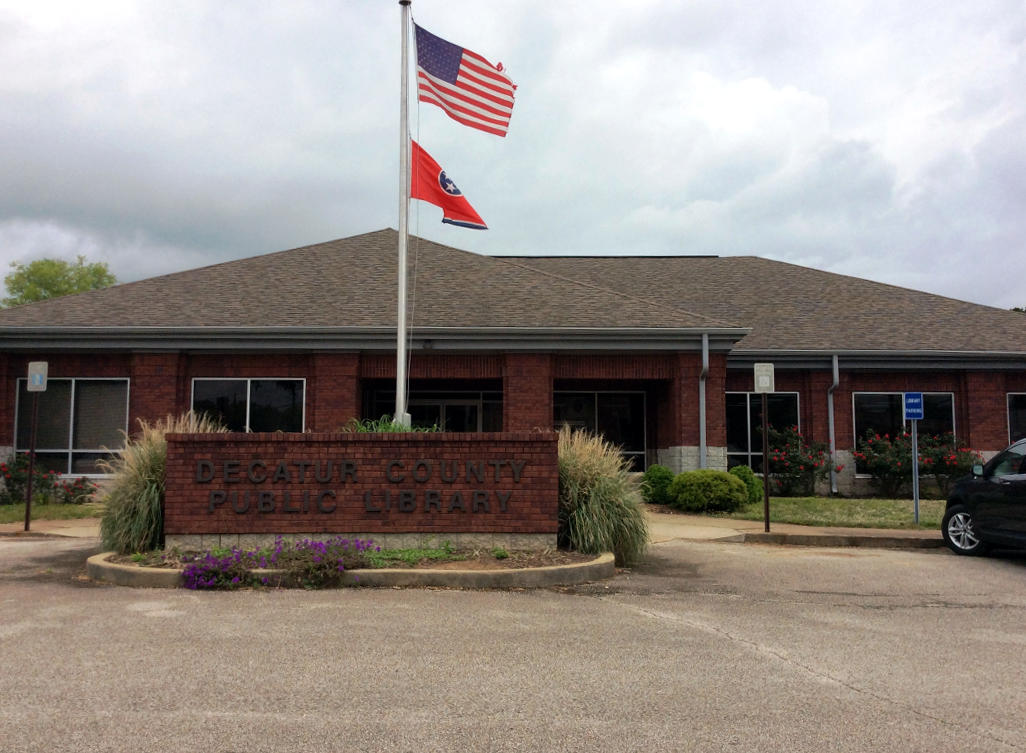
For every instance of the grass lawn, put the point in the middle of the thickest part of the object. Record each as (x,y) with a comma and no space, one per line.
(847,513)
(16,513)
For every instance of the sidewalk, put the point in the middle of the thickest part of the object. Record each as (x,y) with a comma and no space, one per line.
(666,526)
(79,528)
(663,526)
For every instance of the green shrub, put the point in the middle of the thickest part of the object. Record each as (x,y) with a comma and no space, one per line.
(655,483)
(15,477)
(133,520)
(888,461)
(946,458)
(599,501)
(796,464)
(707,490)
(752,482)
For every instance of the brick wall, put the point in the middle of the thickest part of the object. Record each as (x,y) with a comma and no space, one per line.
(366,483)
(156,386)
(333,395)
(527,391)
(981,412)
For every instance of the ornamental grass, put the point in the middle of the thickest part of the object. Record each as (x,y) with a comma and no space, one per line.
(599,501)
(133,520)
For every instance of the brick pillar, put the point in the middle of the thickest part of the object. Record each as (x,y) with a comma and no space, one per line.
(526,391)
(679,443)
(153,390)
(715,408)
(987,403)
(333,395)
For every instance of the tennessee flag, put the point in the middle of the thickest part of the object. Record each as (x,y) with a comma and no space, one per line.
(428,182)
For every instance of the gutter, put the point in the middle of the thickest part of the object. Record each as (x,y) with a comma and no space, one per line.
(368,338)
(703,451)
(830,424)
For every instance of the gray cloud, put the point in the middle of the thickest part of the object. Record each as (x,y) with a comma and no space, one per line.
(868,138)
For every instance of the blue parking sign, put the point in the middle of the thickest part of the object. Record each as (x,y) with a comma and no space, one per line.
(913,406)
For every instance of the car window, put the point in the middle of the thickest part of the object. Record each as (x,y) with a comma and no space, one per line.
(1009,462)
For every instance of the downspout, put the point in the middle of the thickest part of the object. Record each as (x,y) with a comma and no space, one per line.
(830,424)
(703,460)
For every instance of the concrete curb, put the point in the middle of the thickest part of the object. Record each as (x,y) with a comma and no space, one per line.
(841,540)
(600,568)
(98,568)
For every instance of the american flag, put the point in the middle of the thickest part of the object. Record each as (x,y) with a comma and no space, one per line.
(467,87)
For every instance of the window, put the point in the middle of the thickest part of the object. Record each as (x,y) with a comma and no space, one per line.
(884,413)
(1016,417)
(1008,463)
(80,422)
(463,411)
(617,416)
(744,424)
(252,404)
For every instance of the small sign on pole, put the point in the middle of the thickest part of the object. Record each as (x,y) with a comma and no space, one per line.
(764,385)
(764,377)
(35,384)
(37,376)
(914,413)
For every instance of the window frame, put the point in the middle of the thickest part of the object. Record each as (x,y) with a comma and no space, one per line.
(748,421)
(641,455)
(70,450)
(1008,415)
(904,423)
(249,393)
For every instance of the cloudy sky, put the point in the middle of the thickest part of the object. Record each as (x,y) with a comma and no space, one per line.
(879,139)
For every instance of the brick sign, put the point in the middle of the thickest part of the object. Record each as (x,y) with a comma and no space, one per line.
(361,483)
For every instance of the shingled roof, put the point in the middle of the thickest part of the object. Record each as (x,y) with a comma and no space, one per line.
(793,308)
(350,284)
(755,305)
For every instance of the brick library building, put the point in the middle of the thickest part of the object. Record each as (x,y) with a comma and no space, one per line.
(654,353)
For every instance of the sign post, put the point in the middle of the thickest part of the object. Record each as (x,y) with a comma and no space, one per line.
(914,413)
(36,384)
(764,385)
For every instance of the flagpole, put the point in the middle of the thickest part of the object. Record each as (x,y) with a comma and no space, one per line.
(401,414)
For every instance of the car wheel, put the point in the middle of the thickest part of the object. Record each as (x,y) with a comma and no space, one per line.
(959,530)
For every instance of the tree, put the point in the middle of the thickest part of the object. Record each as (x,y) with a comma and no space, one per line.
(52,278)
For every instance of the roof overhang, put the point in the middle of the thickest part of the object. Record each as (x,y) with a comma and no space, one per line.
(881,360)
(370,338)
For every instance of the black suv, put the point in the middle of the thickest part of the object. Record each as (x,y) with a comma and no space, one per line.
(988,508)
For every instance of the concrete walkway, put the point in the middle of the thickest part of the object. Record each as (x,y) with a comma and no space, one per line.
(80,528)
(667,526)
(663,526)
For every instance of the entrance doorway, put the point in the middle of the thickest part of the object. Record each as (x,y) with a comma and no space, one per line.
(449,415)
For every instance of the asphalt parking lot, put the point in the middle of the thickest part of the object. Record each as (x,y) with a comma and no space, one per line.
(708,646)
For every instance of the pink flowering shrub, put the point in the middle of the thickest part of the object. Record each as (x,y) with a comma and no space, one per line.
(795,464)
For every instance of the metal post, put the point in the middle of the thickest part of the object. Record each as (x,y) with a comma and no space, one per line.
(32,459)
(915,471)
(404,230)
(765,462)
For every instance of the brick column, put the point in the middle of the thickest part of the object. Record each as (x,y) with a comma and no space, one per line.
(333,395)
(154,387)
(987,403)
(526,392)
